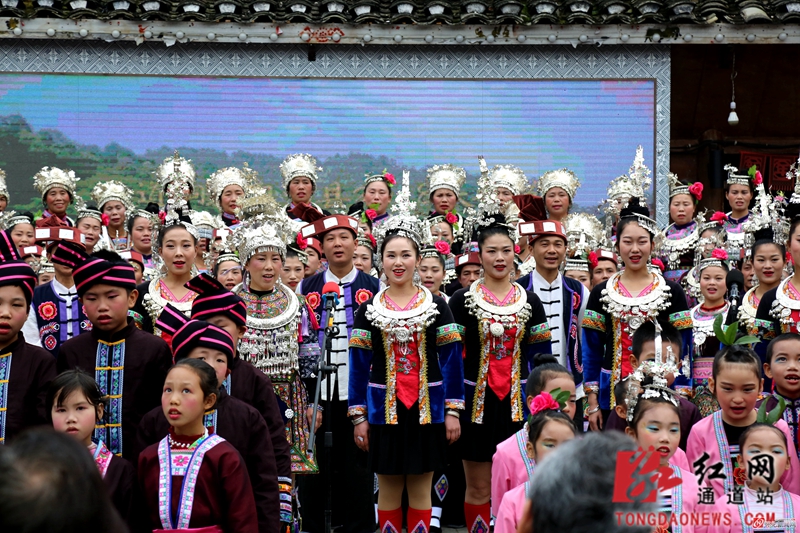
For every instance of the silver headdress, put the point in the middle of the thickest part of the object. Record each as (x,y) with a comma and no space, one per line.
(658,369)
(577,260)
(734,178)
(403,221)
(107,191)
(174,169)
(508,176)
(384,176)
(768,213)
(268,231)
(719,258)
(86,211)
(4,187)
(244,177)
(562,178)
(178,185)
(366,240)
(9,219)
(489,212)
(584,232)
(675,185)
(48,178)
(641,214)
(204,222)
(446,177)
(299,165)
(625,187)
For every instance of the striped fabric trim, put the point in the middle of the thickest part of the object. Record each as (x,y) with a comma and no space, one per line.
(539,333)
(361,338)
(594,320)
(449,333)
(681,319)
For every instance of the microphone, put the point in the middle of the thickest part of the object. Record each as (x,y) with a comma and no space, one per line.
(331,293)
(735,283)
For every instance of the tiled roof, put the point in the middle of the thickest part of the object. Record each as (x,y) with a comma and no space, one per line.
(521,12)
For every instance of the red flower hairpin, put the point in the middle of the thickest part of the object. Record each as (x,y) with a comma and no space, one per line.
(162,216)
(696,190)
(302,243)
(517,249)
(544,402)
(660,264)
(719,253)
(451,218)
(719,217)
(390,178)
(372,240)
(593,260)
(105,219)
(442,247)
(371,214)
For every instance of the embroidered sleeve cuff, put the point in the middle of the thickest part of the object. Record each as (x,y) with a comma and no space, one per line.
(449,333)
(681,319)
(539,333)
(591,387)
(285,491)
(764,329)
(458,405)
(594,320)
(684,391)
(361,338)
(357,410)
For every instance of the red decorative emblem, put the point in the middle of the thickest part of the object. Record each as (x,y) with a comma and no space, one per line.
(313,299)
(362,295)
(739,475)
(50,342)
(47,310)
(576,300)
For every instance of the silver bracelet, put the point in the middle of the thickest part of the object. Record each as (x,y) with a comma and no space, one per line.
(357,421)
(592,411)
(453,412)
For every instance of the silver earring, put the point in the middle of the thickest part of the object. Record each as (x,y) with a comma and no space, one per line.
(417,280)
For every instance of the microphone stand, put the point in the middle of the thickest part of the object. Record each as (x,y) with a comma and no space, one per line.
(733,310)
(324,369)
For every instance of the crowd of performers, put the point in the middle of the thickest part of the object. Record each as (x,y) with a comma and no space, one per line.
(182,349)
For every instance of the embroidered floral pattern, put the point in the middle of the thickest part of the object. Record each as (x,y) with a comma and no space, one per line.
(362,295)
(539,333)
(449,333)
(361,338)
(313,299)
(594,320)
(47,310)
(681,319)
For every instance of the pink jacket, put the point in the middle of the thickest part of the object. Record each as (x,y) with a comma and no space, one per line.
(510,509)
(704,438)
(511,466)
(679,459)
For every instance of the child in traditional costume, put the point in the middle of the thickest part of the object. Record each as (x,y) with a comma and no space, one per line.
(764,503)
(25,370)
(128,363)
(782,366)
(246,383)
(736,383)
(235,421)
(512,465)
(76,405)
(193,480)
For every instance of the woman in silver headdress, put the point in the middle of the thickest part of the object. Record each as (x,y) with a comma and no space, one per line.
(406,385)
(280,325)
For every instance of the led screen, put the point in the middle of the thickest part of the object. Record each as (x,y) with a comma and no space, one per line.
(120,127)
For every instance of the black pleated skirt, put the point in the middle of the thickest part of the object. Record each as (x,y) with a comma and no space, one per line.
(479,441)
(407,447)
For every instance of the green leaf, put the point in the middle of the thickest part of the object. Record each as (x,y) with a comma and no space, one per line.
(762,412)
(747,339)
(777,412)
(560,396)
(752,171)
(718,331)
